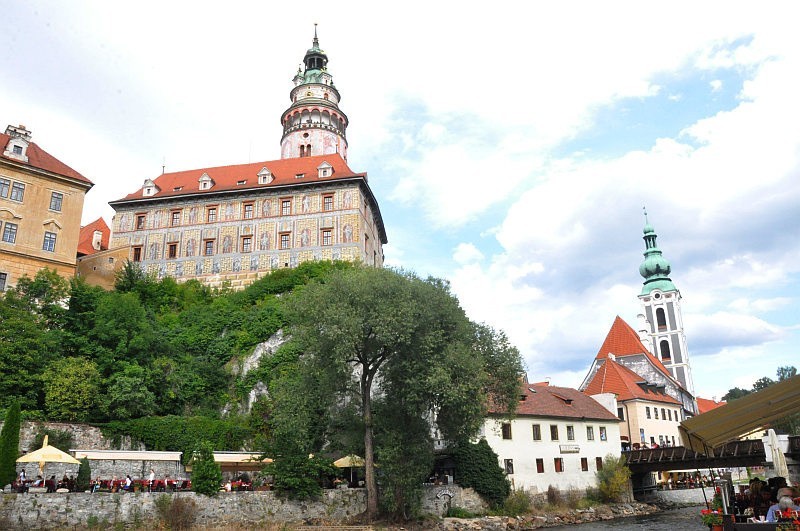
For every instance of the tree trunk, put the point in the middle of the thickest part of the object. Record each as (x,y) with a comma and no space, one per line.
(369,459)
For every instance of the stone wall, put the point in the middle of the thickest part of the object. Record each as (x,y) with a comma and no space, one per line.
(83,436)
(680,496)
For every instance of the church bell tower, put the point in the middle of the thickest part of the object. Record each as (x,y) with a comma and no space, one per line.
(313,123)
(661,304)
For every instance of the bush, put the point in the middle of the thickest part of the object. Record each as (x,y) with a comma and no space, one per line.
(176,512)
(517,503)
(613,479)
(574,498)
(476,467)
(458,512)
(84,476)
(554,496)
(206,474)
(9,445)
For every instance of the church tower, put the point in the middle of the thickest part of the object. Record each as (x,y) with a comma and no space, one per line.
(661,303)
(313,123)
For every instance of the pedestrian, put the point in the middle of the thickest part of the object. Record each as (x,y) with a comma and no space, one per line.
(151,480)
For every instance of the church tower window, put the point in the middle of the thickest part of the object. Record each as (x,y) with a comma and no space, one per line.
(661,319)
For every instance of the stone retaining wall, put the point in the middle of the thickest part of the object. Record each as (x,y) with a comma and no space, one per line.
(680,496)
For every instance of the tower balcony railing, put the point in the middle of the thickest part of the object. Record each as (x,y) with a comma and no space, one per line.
(314,125)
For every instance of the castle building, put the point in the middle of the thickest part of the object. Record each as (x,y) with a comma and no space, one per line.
(232,224)
(661,324)
(41,202)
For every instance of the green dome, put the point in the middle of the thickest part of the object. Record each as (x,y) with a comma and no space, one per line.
(655,269)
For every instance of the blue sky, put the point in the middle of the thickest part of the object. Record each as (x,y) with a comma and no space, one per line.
(511,147)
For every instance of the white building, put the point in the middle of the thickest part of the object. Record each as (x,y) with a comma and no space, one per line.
(558,437)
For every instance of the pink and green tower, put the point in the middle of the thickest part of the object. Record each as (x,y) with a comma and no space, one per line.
(662,321)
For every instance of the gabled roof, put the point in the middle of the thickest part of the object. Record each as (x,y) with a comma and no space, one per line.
(86,237)
(622,340)
(564,402)
(704,404)
(41,159)
(227,178)
(612,377)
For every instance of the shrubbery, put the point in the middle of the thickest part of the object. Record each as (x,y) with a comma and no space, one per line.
(84,476)
(476,467)
(9,445)
(206,474)
(613,479)
(176,512)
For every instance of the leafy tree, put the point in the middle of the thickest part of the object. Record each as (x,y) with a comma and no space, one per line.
(9,444)
(46,293)
(613,479)
(122,327)
(762,383)
(477,467)
(128,395)
(368,333)
(734,393)
(786,372)
(84,475)
(71,389)
(206,474)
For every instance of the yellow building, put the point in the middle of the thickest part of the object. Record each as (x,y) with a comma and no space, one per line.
(41,201)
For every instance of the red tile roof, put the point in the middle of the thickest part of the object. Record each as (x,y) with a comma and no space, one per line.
(622,340)
(284,172)
(612,377)
(550,401)
(87,237)
(39,158)
(704,404)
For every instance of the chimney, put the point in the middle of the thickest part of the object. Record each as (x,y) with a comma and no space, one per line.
(18,132)
(97,240)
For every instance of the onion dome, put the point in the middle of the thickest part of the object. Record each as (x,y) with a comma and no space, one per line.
(655,269)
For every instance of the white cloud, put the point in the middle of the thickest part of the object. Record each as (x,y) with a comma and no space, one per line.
(716,85)
(466,253)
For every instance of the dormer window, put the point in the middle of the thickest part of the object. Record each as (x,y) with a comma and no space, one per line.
(150,188)
(19,137)
(299,175)
(324,170)
(177,189)
(264,176)
(17,150)
(205,181)
(240,183)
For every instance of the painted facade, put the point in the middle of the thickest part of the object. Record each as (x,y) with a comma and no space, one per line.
(41,201)
(558,437)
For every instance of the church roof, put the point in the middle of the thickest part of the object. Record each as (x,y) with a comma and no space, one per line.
(543,400)
(704,404)
(228,178)
(41,159)
(612,377)
(86,237)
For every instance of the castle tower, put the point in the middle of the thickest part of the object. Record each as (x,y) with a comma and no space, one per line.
(661,305)
(313,123)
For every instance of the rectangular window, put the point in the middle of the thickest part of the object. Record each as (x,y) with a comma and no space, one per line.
(584,464)
(647,412)
(537,432)
(570,433)
(285,240)
(655,412)
(598,462)
(539,465)
(366,242)
(553,432)
(17,191)
(603,434)
(49,243)
(175,221)
(247,211)
(5,185)
(10,232)
(137,254)
(663,414)
(506,429)
(3,280)
(509,466)
(140,221)
(211,215)
(327,202)
(17,150)
(326,237)
(589,433)
(559,464)
(286,207)
(620,413)
(669,414)
(56,199)
(172,250)
(247,244)
(208,247)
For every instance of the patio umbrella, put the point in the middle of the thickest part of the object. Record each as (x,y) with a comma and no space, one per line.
(349,461)
(47,454)
(778,459)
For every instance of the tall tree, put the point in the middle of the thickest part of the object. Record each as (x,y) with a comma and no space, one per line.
(72,389)
(378,335)
(9,444)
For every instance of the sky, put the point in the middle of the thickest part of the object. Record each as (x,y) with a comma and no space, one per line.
(511,147)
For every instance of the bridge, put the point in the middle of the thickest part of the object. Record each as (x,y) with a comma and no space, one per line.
(733,454)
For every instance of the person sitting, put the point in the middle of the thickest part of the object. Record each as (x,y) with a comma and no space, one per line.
(785,502)
(39,482)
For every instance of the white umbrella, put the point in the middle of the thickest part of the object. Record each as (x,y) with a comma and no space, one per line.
(778,459)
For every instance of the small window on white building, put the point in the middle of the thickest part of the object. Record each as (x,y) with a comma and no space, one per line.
(509,466)
(506,429)
(603,434)
(570,433)
(589,433)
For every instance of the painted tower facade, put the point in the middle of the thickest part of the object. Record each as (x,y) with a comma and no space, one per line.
(313,124)
(662,321)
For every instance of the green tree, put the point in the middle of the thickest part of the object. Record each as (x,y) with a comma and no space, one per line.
(613,479)
(9,444)
(206,474)
(84,475)
(762,383)
(46,293)
(476,467)
(734,393)
(128,395)
(72,389)
(368,332)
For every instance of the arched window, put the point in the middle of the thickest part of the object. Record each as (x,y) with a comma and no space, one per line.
(308,150)
(663,346)
(661,319)
(302,151)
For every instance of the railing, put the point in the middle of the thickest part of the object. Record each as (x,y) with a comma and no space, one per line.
(737,453)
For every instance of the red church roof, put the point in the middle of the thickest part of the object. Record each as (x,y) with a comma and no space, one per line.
(228,178)
(622,340)
(41,159)
(87,237)
(611,377)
